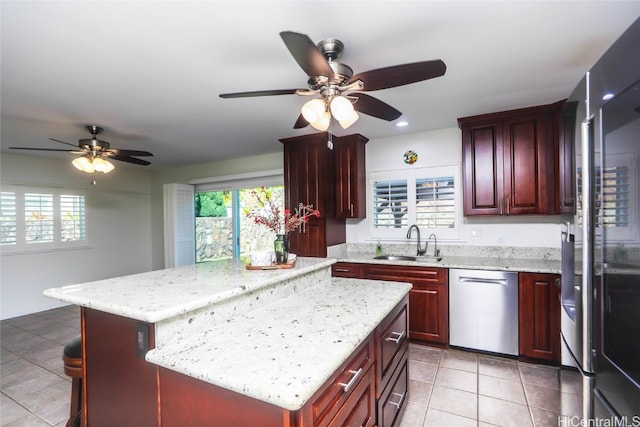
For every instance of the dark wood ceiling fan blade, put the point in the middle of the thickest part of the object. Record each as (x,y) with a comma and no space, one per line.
(301,123)
(128,159)
(42,149)
(374,107)
(127,153)
(64,142)
(306,54)
(399,75)
(259,93)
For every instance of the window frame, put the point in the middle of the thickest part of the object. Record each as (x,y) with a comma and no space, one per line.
(411,175)
(58,242)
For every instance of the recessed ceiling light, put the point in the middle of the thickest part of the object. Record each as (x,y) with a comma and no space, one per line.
(607,97)
(402,123)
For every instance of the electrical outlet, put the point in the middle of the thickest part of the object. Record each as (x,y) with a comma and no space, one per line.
(142,339)
(476,232)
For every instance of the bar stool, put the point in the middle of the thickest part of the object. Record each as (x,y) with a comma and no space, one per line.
(72,358)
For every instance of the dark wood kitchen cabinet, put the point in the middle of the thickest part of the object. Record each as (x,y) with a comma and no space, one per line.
(567,198)
(350,176)
(120,386)
(428,300)
(539,307)
(510,161)
(309,178)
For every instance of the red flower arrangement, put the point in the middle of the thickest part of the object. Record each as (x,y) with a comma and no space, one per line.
(280,221)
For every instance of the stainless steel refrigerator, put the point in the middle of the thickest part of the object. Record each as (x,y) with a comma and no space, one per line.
(600,319)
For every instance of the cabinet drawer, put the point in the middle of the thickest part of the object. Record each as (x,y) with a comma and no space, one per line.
(347,269)
(392,344)
(407,273)
(360,408)
(394,396)
(337,391)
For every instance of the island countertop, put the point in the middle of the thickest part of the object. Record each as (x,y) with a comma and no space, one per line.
(158,295)
(283,352)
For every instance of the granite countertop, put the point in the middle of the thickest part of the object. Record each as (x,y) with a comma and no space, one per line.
(279,353)
(162,294)
(531,265)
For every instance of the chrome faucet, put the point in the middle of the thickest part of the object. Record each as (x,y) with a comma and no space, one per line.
(436,251)
(419,250)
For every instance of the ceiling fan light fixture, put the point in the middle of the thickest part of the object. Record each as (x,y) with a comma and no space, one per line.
(102,165)
(323,122)
(84,164)
(349,120)
(341,108)
(313,110)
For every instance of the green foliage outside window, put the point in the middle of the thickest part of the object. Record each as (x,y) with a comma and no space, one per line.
(212,204)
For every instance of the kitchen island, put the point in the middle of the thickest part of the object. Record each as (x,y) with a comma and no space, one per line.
(182,346)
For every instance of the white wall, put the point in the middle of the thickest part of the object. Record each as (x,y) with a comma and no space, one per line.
(444,147)
(118,227)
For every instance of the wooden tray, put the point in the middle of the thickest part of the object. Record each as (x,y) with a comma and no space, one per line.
(272,266)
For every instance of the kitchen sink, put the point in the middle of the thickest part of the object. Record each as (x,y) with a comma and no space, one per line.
(396,257)
(409,258)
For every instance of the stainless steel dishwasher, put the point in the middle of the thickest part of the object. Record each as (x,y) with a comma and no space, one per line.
(483,310)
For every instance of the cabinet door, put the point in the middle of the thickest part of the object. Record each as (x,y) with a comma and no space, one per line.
(540,316)
(528,165)
(482,167)
(428,300)
(429,315)
(350,176)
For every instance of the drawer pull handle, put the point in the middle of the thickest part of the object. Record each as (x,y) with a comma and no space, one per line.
(342,270)
(397,404)
(352,381)
(397,336)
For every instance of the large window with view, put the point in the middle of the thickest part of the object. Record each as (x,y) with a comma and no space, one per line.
(33,219)
(427,197)
(223,229)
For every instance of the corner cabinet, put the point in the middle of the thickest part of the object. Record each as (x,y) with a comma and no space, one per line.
(539,307)
(350,176)
(309,179)
(510,161)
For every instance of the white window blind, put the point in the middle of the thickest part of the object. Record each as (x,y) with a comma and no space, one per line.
(34,219)
(390,204)
(427,197)
(8,219)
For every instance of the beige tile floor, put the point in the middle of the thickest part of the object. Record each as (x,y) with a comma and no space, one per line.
(447,387)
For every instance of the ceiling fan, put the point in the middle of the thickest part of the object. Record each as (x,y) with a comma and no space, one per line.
(96,152)
(340,90)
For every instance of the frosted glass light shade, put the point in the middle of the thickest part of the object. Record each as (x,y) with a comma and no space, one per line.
(341,108)
(323,121)
(313,110)
(102,165)
(83,164)
(349,120)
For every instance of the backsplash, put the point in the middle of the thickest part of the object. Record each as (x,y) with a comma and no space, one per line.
(448,250)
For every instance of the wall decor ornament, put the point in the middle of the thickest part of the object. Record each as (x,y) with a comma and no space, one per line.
(410,157)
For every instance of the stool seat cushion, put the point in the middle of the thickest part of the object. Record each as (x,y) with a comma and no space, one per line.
(73,349)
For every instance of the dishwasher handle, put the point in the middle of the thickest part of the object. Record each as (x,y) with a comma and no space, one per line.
(503,282)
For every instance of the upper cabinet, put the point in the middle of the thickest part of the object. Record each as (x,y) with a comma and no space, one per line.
(350,176)
(511,162)
(309,178)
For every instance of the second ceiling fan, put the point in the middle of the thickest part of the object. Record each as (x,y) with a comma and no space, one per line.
(340,90)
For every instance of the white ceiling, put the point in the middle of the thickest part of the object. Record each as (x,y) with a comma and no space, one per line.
(150,72)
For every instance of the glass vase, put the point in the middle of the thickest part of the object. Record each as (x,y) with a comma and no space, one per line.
(281,247)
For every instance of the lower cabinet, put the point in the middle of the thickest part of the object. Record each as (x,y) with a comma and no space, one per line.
(539,308)
(369,389)
(428,300)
